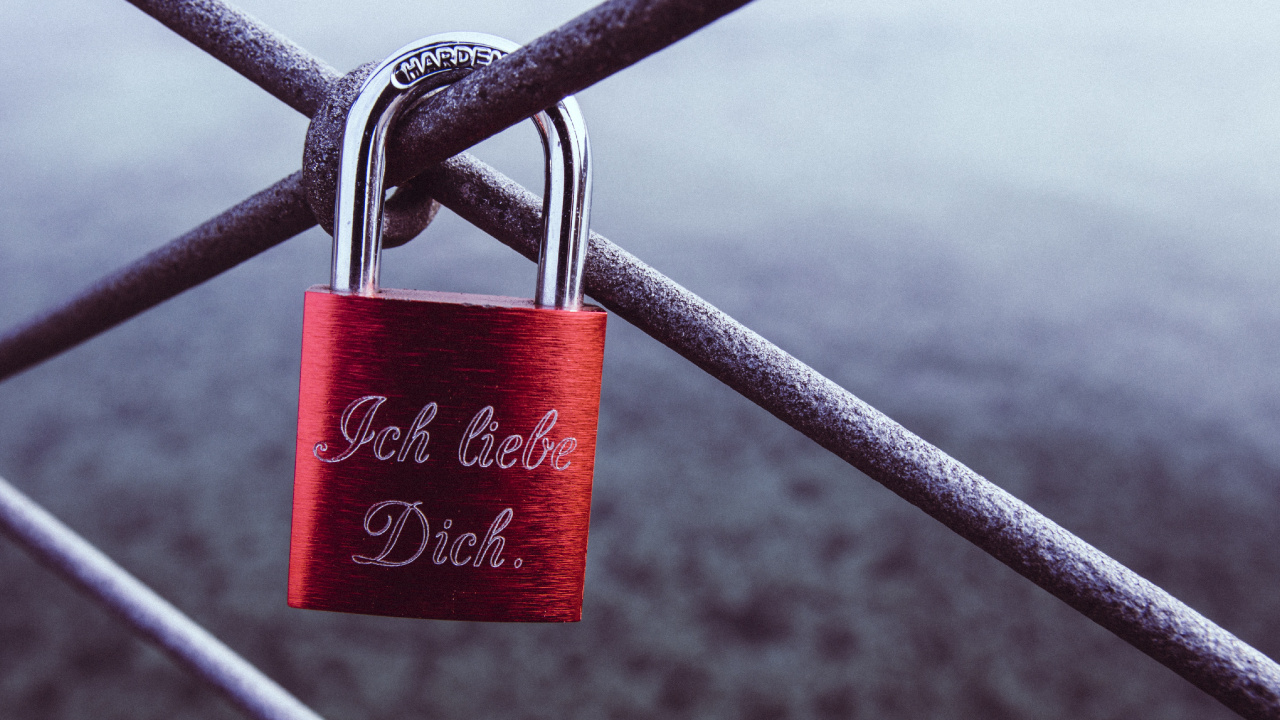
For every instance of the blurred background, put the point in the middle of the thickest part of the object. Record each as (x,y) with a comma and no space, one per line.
(1041,235)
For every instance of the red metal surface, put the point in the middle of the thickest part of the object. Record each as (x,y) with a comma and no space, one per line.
(445,450)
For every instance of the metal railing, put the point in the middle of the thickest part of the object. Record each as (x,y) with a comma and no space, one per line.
(586,50)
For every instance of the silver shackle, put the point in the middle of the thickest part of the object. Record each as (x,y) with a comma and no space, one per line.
(406,77)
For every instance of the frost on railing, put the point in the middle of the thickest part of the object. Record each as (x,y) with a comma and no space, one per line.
(588,49)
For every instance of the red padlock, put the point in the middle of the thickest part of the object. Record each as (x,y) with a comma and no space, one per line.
(446,442)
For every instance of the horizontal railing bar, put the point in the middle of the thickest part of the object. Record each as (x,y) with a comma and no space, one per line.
(273,62)
(148,614)
(1084,577)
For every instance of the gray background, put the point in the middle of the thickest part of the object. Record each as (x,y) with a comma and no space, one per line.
(1041,235)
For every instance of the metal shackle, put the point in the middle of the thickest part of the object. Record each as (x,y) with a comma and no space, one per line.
(398,84)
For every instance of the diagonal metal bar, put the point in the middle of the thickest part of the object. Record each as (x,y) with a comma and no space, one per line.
(255,225)
(150,615)
(580,53)
(1039,549)
(1088,580)
(612,36)
(273,62)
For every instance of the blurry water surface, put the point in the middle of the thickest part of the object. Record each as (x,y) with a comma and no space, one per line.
(1041,235)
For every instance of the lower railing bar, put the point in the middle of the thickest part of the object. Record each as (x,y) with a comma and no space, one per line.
(150,615)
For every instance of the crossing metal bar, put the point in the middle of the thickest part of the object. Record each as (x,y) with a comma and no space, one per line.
(588,49)
(1016,534)
(578,54)
(150,615)
(1087,579)
(261,222)
(273,62)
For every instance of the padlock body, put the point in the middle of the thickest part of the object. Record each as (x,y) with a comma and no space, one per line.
(445,452)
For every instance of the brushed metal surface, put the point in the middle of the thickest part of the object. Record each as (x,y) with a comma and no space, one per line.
(445,451)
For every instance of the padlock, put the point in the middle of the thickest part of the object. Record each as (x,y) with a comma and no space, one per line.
(446,442)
